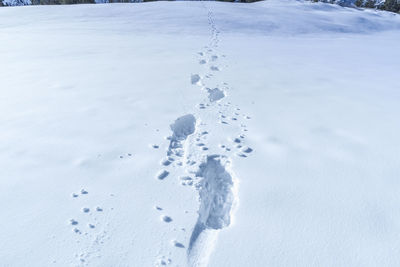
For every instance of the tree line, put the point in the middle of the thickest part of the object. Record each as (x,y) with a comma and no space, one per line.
(388,5)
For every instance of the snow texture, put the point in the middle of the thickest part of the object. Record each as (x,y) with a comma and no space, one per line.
(199,134)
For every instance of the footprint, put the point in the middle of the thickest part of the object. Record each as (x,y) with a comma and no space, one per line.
(163,262)
(214,68)
(215,94)
(162,174)
(177,244)
(195,79)
(202,62)
(216,200)
(91,225)
(85,210)
(84,192)
(99,209)
(214,57)
(166,218)
(166,162)
(183,127)
(186,180)
(73,222)
(247,150)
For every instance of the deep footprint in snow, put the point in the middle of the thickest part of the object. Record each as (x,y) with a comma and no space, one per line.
(215,94)
(181,129)
(216,201)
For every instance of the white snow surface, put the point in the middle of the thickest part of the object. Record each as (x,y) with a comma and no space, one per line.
(199,134)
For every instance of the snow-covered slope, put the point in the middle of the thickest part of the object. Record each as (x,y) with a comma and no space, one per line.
(195,133)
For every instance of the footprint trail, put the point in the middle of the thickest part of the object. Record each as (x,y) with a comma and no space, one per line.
(202,147)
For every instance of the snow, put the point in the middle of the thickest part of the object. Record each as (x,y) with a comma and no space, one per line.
(195,133)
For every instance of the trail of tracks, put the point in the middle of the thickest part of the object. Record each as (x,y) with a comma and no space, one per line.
(198,150)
